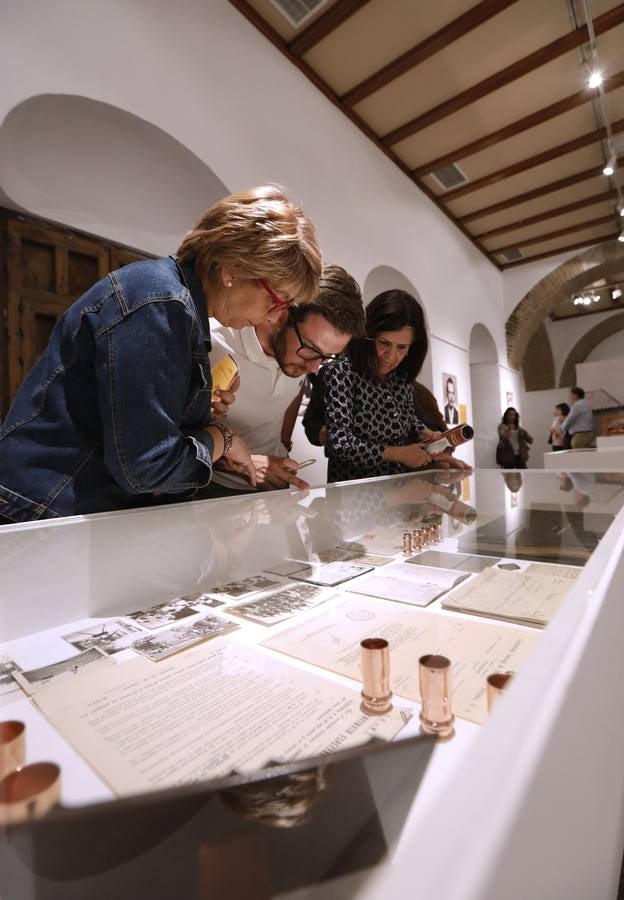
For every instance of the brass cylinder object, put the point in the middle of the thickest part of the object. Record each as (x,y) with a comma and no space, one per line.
(376,692)
(435,676)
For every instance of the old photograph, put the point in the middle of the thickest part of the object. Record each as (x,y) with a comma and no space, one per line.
(250,585)
(451,404)
(166,643)
(8,685)
(281,605)
(109,637)
(33,680)
(164,613)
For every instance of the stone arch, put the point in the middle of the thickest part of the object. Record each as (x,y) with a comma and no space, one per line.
(103,170)
(571,276)
(538,365)
(586,344)
(387,278)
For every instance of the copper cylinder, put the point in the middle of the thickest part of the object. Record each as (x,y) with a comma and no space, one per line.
(407,543)
(12,746)
(496,684)
(376,691)
(29,793)
(435,676)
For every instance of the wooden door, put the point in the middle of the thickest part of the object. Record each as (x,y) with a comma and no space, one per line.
(47,269)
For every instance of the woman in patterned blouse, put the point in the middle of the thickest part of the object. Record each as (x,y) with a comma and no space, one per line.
(372,428)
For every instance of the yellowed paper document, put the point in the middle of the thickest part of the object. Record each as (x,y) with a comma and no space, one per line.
(523,597)
(332,640)
(205,713)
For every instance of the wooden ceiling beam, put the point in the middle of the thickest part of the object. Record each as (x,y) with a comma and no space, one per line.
(551,214)
(324,25)
(521,67)
(511,130)
(591,223)
(578,246)
(585,140)
(537,192)
(425,49)
(245,8)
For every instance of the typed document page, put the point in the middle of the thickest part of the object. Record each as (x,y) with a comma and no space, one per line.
(205,713)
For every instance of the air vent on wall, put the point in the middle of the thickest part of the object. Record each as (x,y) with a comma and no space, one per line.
(449,176)
(512,255)
(298,11)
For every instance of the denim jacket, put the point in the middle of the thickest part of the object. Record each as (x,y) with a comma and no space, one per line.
(113,412)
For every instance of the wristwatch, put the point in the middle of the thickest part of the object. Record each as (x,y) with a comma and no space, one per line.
(227,435)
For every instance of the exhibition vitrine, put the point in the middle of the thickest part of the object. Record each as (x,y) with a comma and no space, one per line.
(189,702)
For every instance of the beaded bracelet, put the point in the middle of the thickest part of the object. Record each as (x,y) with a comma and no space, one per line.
(227,436)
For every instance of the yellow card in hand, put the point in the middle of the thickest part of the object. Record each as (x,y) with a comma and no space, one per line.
(224,373)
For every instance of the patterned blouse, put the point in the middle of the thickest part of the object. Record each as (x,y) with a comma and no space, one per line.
(364,416)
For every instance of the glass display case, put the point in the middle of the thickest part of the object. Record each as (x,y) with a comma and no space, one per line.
(211,629)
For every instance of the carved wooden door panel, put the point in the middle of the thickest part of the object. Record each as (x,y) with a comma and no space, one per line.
(47,270)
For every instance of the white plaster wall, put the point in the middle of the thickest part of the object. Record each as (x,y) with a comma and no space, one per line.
(611,348)
(209,79)
(565,333)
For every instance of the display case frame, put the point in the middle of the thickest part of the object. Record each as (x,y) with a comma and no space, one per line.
(510,804)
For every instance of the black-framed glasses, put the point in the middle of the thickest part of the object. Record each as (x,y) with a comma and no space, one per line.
(309,352)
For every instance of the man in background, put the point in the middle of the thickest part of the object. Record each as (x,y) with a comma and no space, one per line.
(579,422)
(273,361)
(451,413)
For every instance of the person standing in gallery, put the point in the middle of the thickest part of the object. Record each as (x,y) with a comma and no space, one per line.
(579,422)
(513,442)
(119,411)
(451,413)
(371,425)
(557,438)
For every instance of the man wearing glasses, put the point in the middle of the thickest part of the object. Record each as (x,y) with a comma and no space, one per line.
(273,360)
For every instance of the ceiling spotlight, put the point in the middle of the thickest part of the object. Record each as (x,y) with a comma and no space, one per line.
(621,237)
(609,169)
(616,293)
(595,80)
(621,210)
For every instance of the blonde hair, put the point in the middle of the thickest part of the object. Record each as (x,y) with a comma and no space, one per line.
(257,233)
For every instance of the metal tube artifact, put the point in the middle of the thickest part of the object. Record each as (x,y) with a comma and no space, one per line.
(12,746)
(29,793)
(496,684)
(435,678)
(376,692)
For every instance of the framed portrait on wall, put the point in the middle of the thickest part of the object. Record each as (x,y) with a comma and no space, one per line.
(508,399)
(449,393)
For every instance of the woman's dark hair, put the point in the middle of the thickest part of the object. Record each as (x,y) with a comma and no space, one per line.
(391,311)
(563,408)
(511,409)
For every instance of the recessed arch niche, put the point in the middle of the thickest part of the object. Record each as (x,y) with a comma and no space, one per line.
(485,391)
(386,278)
(101,169)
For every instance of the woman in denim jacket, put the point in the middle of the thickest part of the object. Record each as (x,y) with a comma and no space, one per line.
(117,412)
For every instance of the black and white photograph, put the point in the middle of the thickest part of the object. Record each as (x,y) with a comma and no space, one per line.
(164,613)
(8,685)
(33,680)
(166,643)
(281,605)
(451,403)
(331,573)
(250,585)
(204,601)
(109,637)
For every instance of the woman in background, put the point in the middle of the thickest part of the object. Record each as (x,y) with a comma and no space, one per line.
(558,437)
(513,446)
(372,428)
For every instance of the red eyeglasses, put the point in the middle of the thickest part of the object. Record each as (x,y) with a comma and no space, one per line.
(278,303)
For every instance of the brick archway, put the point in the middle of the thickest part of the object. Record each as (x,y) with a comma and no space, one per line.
(538,365)
(568,278)
(586,344)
